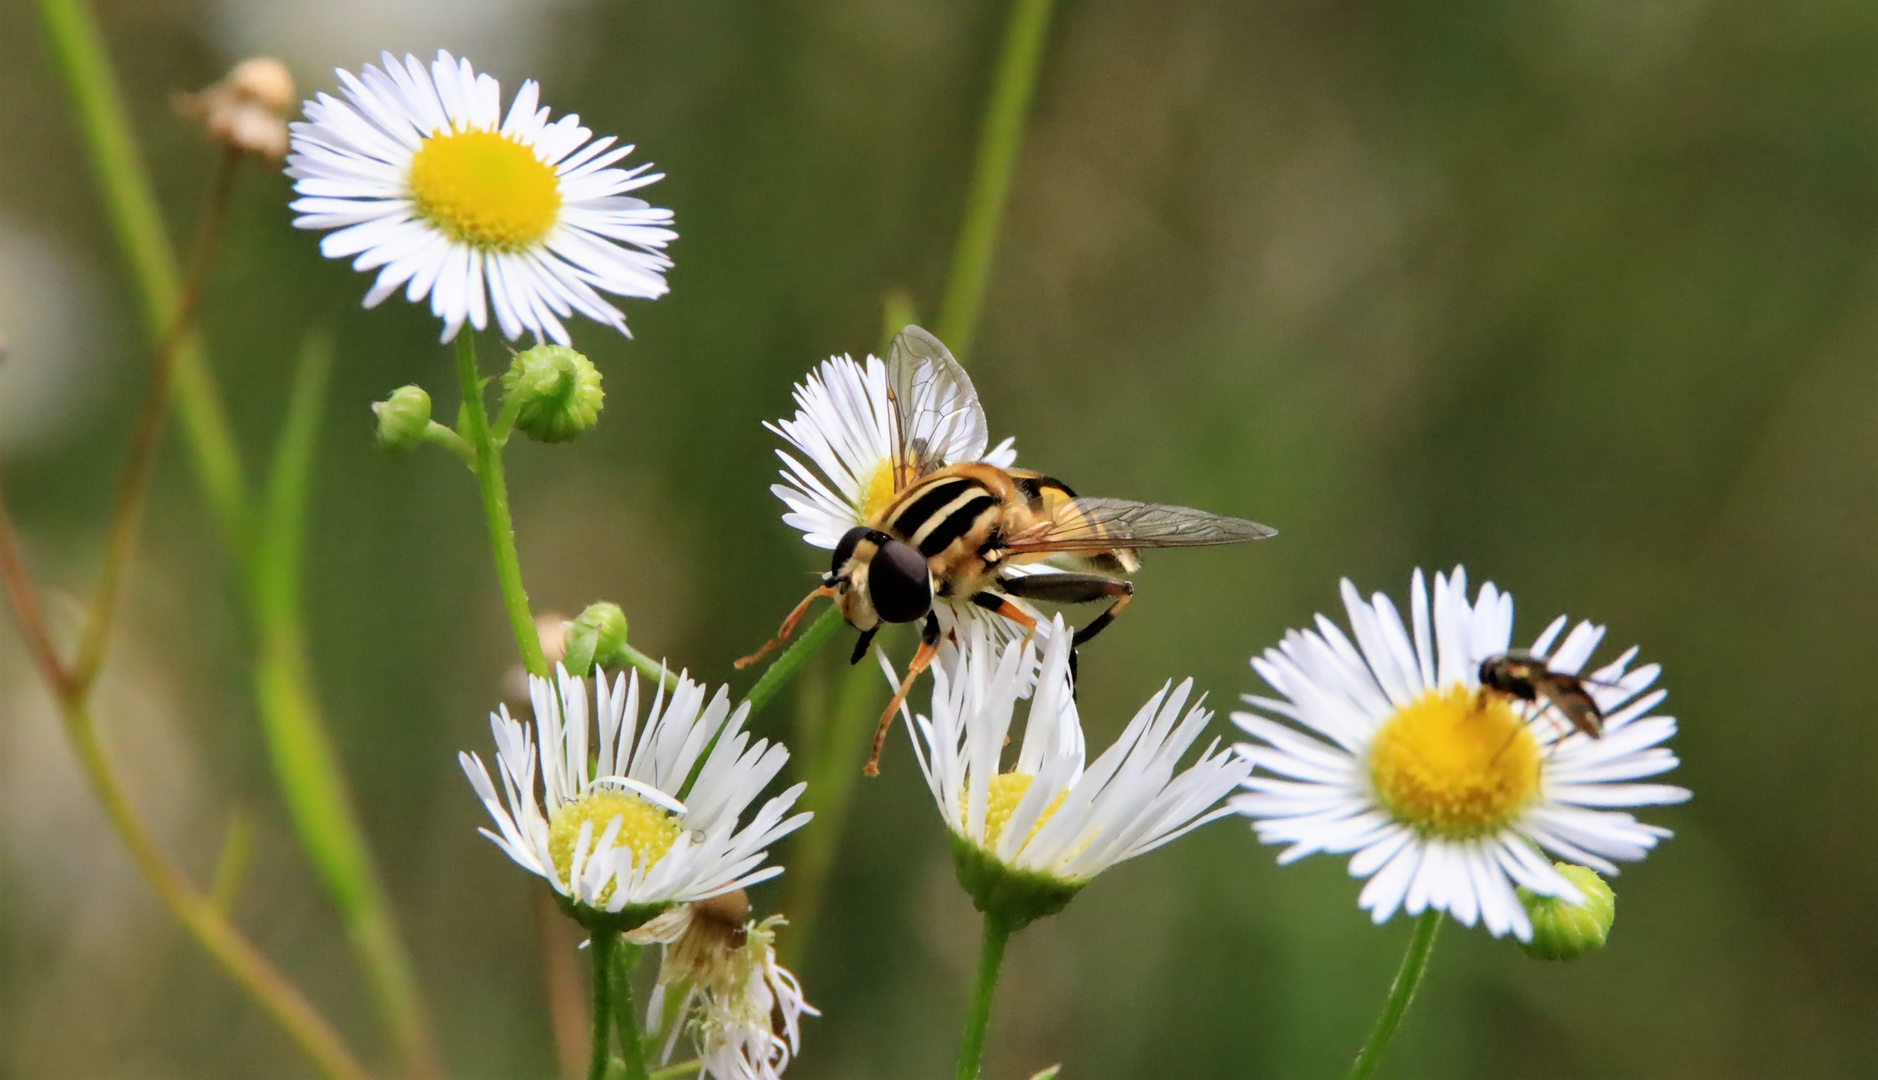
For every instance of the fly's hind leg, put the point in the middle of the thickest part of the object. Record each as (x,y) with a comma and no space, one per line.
(1075,589)
(928,648)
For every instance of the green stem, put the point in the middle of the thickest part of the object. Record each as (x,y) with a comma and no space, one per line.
(650,668)
(789,664)
(1024,39)
(601,946)
(990,959)
(78,49)
(1401,993)
(683,1069)
(832,764)
(626,1014)
(496,507)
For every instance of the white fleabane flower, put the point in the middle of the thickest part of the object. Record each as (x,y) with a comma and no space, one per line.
(741,1008)
(426,181)
(1052,818)
(844,425)
(1446,794)
(614,822)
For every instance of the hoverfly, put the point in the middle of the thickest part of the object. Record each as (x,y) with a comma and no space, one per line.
(957,531)
(1526,677)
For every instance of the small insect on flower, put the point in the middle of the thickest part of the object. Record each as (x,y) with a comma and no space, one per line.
(950,530)
(1525,677)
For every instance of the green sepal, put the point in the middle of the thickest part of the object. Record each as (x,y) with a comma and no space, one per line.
(1015,897)
(596,636)
(600,921)
(1566,931)
(552,392)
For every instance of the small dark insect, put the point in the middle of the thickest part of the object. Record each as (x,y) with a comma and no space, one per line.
(1527,678)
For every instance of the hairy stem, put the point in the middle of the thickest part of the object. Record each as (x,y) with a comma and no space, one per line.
(495,494)
(990,960)
(1407,980)
(626,1014)
(789,664)
(1016,83)
(601,947)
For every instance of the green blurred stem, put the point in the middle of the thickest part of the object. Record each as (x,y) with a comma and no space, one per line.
(789,664)
(78,49)
(832,751)
(1016,83)
(290,717)
(1401,993)
(990,960)
(496,506)
(650,668)
(626,1014)
(201,917)
(675,1072)
(601,946)
(231,867)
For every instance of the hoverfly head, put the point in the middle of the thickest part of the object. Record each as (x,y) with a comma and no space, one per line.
(899,582)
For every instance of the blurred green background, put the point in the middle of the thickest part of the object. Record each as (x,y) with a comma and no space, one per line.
(1577,292)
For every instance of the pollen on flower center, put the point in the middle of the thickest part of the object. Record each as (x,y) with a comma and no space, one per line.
(878,490)
(1455,762)
(484,189)
(1007,790)
(646,830)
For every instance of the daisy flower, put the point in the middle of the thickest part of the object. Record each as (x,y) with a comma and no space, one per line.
(1444,796)
(427,182)
(623,823)
(845,428)
(1051,818)
(742,1009)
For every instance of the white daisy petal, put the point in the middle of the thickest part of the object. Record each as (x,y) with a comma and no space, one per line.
(1328,756)
(428,149)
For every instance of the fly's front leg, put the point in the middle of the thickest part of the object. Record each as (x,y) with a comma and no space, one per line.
(1075,589)
(1001,605)
(928,648)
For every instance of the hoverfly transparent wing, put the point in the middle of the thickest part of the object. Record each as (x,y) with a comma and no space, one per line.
(936,416)
(1094,524)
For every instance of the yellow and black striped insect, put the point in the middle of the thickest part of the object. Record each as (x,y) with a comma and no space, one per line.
(1526,677)
(957,531)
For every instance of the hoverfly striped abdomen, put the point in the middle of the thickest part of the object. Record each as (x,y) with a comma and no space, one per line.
(950,517)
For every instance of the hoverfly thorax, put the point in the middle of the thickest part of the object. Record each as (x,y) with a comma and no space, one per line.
(878,579)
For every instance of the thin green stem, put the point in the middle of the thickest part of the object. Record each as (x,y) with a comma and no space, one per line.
(650,668)
(78,49)
(675,1072)
(201,917)
(1024,39)
(1401,993)
(601,946)
(496,507)
(626,1014)
(147,436)
(789,664)
(990,960)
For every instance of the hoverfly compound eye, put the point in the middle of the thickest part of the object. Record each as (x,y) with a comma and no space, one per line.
(845,549)
(899,583)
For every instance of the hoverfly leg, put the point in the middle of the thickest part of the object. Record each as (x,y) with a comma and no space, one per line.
(928,649)
(1001,605)
(861,644)
(1101,622)
(1073,686)
(1075,589)
(788,627)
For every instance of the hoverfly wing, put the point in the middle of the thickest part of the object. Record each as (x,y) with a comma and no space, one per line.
(937,419)
(1096,524)
(1568,695)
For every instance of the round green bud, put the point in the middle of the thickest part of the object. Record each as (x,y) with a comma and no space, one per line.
(1566,931)
(402,419)
(554,393)
(596,636)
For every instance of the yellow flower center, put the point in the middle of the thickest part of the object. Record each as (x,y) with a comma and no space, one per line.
(1007,790)
(484,189)
(647,830)
(878,492)
(1456,763)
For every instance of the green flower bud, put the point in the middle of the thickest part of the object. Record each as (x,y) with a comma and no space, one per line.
(402,419)
(1566,931)
(1018,897)
(553,392)
(597,636)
